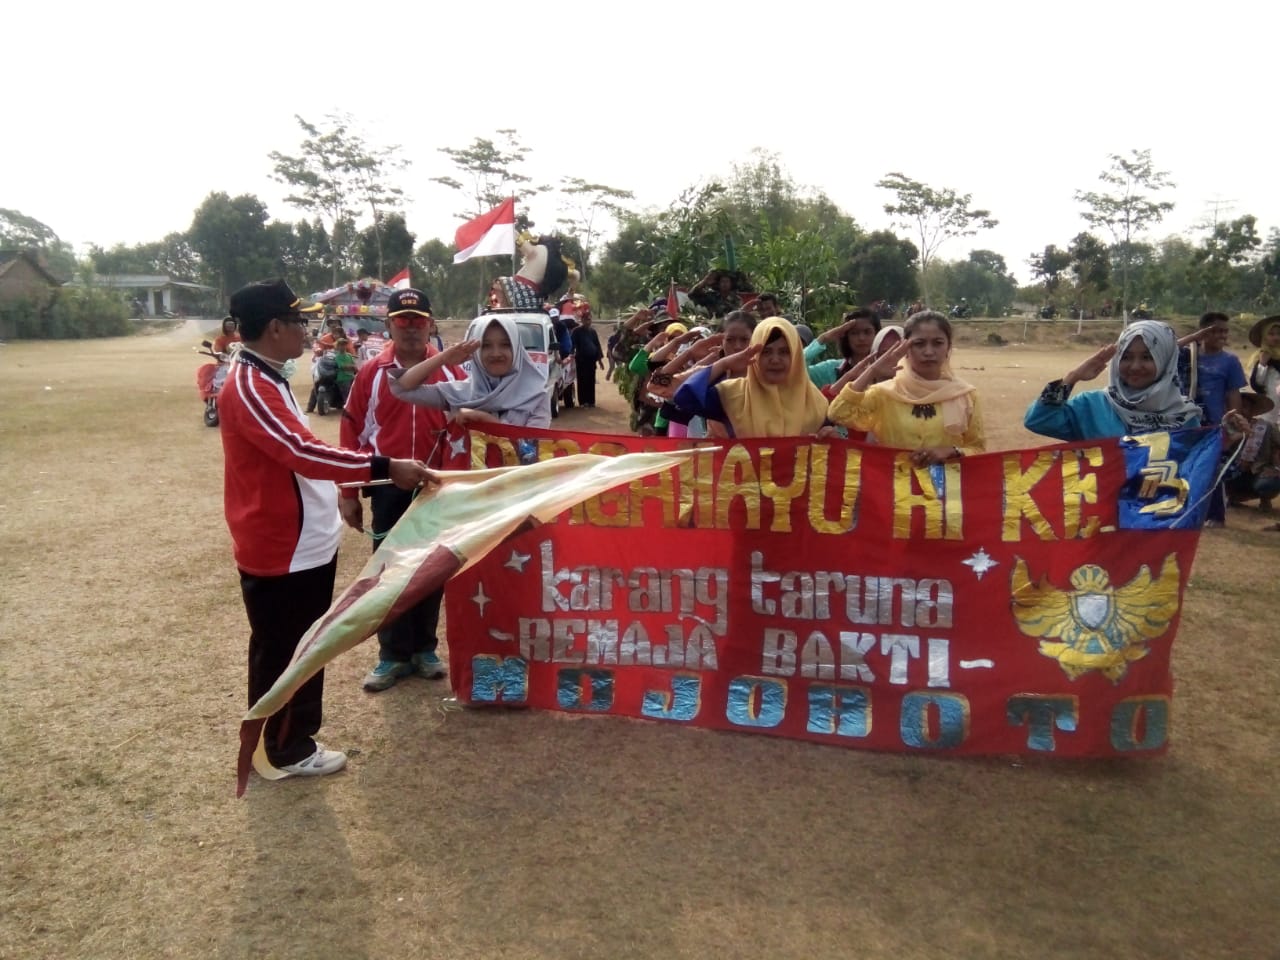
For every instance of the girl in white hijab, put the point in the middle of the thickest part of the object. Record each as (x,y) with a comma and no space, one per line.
(504,384)
(1143,396)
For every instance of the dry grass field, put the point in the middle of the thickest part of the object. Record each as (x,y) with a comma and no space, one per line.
(523,834)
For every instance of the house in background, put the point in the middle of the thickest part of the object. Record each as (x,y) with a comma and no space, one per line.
(159,295)
(24,277)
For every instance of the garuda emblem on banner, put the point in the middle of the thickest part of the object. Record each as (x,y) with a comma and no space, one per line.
(1096,626)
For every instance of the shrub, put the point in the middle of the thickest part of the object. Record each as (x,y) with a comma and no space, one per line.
(71,313)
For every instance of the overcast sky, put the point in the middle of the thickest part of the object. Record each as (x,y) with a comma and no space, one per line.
(121,118)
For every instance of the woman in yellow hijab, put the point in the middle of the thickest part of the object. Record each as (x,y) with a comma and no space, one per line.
(924,408)
(762,391)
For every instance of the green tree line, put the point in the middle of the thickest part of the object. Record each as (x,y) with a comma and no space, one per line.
(788,239)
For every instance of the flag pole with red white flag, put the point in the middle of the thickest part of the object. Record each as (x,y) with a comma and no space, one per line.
(491,234)
(401,281)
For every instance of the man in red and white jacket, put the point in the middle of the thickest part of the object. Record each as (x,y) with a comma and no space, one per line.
(373,421)
(282,509)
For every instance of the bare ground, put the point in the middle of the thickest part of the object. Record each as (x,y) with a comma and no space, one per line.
(523,834)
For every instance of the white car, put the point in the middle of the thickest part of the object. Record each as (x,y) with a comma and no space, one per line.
(539,339)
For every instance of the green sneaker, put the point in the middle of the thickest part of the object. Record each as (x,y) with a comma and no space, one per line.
(386,675)
(428,665)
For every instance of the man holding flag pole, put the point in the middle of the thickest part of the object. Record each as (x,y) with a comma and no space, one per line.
(280,503)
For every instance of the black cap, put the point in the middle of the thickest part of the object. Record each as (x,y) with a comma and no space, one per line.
(259,302)
(408,301)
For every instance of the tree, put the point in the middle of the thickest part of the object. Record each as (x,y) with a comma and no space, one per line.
(686,239)
(1090,260)
(391,244)
(172,257)
(762,191)
(1129,208)
(1268,272)
(491,172)
(124,259)
(1049,266)
(1228,246)
(17,230)
(935,215)
(368,170)
(583,202)
(882,266)
(800,266)
(983,281)
(231,238)
(452,289)
(334,170)
(614,287)
(1271,257)
(304,256)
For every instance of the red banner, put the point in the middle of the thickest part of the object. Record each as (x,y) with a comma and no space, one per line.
(1017,602)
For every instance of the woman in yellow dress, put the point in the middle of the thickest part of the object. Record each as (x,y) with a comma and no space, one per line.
(924,408)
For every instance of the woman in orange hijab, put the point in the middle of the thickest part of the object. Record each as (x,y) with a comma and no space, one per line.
(762,391)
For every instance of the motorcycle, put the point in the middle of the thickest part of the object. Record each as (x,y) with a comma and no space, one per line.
(324,376)
(210,378)
(960,311)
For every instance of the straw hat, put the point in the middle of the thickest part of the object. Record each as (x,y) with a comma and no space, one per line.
(1254,404)
(1256,331)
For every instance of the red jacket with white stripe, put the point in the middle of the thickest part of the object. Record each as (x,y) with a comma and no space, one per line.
(374,421)
(279,493)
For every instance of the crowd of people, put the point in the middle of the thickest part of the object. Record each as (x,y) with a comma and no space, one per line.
(759,374)
(755,374)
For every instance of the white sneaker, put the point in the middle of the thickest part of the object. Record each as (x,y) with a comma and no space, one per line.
(319,764)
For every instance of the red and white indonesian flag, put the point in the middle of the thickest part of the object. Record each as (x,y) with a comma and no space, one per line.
(401,280)
(489,235)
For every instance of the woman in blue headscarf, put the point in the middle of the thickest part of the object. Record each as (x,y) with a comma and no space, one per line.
(1143,396)
(504,384)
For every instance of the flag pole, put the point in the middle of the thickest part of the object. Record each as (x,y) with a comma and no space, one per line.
(515,243)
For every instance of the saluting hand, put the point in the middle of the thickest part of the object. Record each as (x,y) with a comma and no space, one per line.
(835,333)
(705,346)
(886,363)
(1196,337)
(1091,367)
(736,364)
(459,352)
(639,318)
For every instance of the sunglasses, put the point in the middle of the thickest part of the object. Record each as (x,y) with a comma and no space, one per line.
(410,321)
(297,318)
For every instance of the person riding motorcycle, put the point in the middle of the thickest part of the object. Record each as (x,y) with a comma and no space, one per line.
(324,370)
